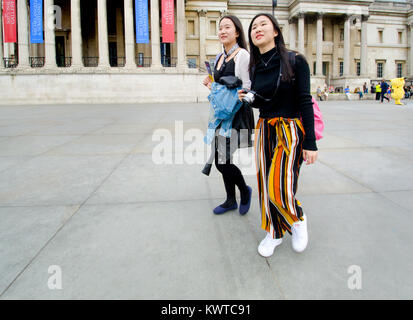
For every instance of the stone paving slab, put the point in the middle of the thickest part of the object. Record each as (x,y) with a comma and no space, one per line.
(80,188)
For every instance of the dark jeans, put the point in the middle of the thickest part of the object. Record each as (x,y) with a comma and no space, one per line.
(384,97)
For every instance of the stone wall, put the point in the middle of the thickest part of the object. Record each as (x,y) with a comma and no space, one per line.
(101,88)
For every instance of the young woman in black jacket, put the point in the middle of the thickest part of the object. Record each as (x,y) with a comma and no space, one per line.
(284,134)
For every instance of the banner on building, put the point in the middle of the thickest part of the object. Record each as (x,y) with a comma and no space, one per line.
(142,21)
(36,21)
(168,21)
(9,21)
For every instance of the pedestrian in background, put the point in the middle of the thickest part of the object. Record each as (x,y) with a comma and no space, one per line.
(378,92)
(384,87)
(319,96)
(347,92)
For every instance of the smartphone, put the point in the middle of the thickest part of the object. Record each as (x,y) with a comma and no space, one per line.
(208,67)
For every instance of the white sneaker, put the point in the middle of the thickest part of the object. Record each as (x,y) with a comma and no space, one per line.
(267,246)
(300,235)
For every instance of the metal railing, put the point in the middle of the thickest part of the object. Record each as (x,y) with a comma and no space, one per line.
(168,62)
(117,61)
(10,62)
(37,62)
(63,62)
(90,61)
(143,62)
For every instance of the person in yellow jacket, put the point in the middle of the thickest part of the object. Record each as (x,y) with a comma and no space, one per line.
(378,91)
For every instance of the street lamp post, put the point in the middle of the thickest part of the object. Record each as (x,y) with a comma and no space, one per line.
(274,4)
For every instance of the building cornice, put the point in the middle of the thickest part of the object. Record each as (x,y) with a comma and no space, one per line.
(335,2)
(194,5)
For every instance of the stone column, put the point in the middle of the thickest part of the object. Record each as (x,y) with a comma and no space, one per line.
(49,35)
(293,33)
(301,33)
(346,70)
(129,38)
(103,34)
(336,41)
(76,34)
(202,36)
(181,34)
(223,13)
(319,52)
(23,34)
(363,49)
(411,51)
(1,37)
(155,37)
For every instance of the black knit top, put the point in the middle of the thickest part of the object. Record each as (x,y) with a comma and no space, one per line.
(293,100)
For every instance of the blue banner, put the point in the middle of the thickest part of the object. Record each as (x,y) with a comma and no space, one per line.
(36,21)
(141,21)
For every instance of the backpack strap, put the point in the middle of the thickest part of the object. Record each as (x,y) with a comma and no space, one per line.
(291,58)
(217,58)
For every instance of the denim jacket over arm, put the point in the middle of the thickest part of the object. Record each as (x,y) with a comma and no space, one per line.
(224,104)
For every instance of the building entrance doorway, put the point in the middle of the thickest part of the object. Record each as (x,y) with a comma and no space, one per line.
(166,58)
(326,71)
(113,54)
(60,51)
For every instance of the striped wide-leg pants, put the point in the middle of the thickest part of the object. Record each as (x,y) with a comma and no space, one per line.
(278,156)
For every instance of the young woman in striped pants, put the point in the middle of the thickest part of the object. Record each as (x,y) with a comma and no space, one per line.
(284,136)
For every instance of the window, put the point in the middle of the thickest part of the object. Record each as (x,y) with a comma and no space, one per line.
(380,36)
(400,37)
(359,35)
(341,68)
(324,38)
(212,63)
(399,70)
(191,28)
(358,68)
(212,27)
(341,34)
(379,69)
(315,67)
(192,63)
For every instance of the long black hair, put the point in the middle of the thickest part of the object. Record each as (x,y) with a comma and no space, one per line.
(288,72)
(238,27)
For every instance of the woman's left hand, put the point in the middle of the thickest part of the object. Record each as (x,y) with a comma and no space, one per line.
(241,94)
(310,156)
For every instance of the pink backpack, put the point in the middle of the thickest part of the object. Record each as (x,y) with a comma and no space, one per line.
(318,121)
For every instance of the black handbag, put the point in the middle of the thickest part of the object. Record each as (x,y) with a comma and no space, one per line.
(231,82)
(243,121)
(244,124)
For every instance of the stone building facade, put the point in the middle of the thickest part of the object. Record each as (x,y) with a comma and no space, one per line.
(90,55)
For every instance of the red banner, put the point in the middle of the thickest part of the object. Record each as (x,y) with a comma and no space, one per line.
(168,21)
(9,21)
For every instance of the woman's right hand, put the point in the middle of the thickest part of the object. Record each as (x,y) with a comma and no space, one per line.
(207,82)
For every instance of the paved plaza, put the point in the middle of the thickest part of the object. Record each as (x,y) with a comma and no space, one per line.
(88,212)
